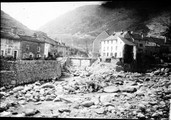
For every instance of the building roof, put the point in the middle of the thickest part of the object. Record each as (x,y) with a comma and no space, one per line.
(126,41)
(50,41)
(43,37)
(102,36)
(9,35)
(112,37)
(29,38)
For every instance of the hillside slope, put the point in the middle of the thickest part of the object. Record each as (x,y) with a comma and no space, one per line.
(8,21)
(80,26)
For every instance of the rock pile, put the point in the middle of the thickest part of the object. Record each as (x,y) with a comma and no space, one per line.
(93,92)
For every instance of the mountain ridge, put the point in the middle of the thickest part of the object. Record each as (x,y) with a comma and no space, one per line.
(87,22)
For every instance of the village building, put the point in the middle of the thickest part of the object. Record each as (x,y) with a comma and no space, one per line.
(126,45)
(31,47)
(10,45)
(116,46)
(63,50)
(49,44)
(21,46)
(96,43)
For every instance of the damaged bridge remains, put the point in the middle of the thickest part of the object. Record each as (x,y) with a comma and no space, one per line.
(15,73)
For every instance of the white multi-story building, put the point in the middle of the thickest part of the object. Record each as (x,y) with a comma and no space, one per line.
(115,46)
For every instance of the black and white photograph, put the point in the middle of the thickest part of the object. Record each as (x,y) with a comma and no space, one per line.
(86,59)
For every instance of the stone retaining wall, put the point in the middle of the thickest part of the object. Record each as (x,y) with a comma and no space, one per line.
(21,72)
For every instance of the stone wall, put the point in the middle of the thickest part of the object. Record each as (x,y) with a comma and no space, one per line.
(21,72)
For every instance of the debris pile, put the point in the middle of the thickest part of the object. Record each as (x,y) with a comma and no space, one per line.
(98,91)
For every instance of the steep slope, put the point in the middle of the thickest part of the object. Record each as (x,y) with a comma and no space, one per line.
(8,21)
(85,23)
(80,26)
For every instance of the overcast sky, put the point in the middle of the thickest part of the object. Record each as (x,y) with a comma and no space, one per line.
(36,14)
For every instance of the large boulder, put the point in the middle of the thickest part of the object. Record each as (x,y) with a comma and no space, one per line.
(87,103)
(19,115)
(5,114)
(3,107)
(48,85)
(106,98)
(111,89)
(30,112)
(2,94)
(129,89)
(19,88)
(64,109)
(157,72)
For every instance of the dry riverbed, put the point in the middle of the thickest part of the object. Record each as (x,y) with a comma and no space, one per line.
(94,92)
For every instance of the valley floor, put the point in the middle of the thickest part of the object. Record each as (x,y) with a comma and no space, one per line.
(97,91)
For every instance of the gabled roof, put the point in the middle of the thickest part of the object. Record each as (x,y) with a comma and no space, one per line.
(112,37)
(44,37)
(127,41)
(102,36)
(50,41)
(29,38)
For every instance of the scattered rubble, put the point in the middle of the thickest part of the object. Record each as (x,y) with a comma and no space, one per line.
(98,91)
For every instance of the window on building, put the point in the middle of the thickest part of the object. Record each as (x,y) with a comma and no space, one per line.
(103,54)
(107,48)
(2,52)
(120,53)
(115,54)
(112,42)
(38,49)
(111,48)
(107,54)
(9,51)
(27,47)
(104,49)
(111,54)
(38,55)
(116,48)
(9,41)
(107,42)
(141,45)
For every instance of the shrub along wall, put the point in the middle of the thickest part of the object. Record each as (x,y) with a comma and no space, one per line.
(21,72)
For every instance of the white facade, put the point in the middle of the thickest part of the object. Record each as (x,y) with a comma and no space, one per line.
(46,49)
(10,47)
(112,48)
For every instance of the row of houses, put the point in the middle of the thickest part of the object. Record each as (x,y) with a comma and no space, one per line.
(127,44)
(21,46)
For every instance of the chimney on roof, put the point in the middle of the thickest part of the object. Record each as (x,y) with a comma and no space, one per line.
(35,35)
(142,35)
(14,30)
(165,39)
(122,31)
(131,35)
(113,33)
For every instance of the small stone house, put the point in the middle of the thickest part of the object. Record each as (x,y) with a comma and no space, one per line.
(31,47)
(10,45)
